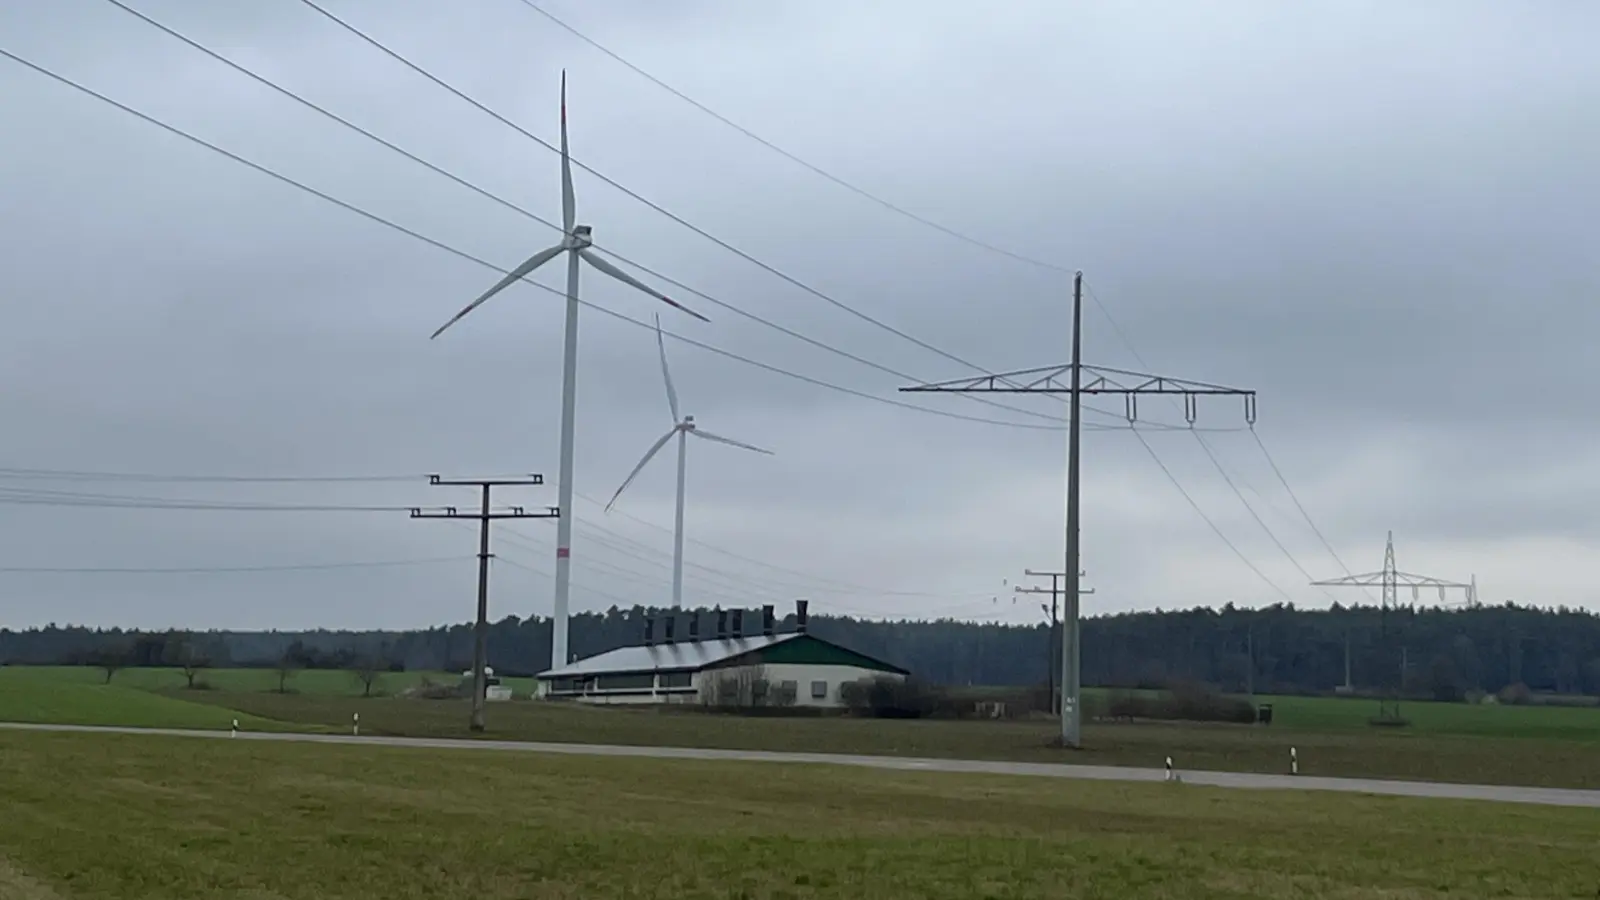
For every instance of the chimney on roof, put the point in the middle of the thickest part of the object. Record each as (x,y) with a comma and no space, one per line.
(800,615)
(766,620)
(694,625)
(649,631)
(669,628)
(722,624)
(738,623)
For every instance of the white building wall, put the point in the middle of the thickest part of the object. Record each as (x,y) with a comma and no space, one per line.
(809,680)
(828,679)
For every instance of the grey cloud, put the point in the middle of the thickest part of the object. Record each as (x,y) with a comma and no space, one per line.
(1389,251)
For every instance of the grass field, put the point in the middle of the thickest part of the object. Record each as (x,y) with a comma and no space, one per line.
(321,682)
(176,819)
(1540,746)
(1540,762)
(36,695)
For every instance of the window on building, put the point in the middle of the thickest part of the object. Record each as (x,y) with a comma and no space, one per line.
(642,682)
(819,690)
(677,679)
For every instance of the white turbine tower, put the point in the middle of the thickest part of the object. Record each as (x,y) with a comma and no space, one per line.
(682,427)
(576,241)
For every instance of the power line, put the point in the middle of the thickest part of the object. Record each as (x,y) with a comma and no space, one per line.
(1123,337)
(186,570)
(41,497)
(772,270)
(1202,513)
(350,207)
(491,266)
(80,475)
(487,194)
(813,167)
(1297,504)
(1251,509)
(850,588)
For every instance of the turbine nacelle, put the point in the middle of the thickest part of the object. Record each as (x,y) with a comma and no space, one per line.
(582,236)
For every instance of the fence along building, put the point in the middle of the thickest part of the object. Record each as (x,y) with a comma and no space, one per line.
(729,668)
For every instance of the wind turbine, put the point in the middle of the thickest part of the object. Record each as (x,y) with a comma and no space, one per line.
(682,427)
(576,241)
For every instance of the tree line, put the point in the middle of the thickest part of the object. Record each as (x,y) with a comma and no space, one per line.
(1446,652)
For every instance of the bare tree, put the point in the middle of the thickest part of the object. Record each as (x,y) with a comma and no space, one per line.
(286,668)
(741,688)
(182,651)
(193,662)
(367,670)
(109,661)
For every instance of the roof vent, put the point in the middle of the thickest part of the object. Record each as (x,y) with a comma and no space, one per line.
(722,624)
(766,620)
(694,625)
(800,615)
(669,628)
(649,631)
(738,624)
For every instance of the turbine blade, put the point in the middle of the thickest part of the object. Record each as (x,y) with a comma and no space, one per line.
(656,448)
(569,202)
(729,441)
(666,374)
(533,262)
(609,269)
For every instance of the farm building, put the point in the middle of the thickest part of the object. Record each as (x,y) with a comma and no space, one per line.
(727,668)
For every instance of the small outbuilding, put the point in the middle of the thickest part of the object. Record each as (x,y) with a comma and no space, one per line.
(729,668)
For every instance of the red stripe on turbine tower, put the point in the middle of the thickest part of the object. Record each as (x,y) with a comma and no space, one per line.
(563,552)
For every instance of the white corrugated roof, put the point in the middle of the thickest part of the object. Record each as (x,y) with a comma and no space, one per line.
(667,657)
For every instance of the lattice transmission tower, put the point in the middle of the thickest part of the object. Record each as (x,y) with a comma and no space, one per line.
(1390,579)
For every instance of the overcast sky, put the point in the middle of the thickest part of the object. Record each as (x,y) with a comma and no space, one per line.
(1380,216)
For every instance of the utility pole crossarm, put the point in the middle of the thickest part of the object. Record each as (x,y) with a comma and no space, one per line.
(510,512)
(530,481)
(1095,380)
(1402,579)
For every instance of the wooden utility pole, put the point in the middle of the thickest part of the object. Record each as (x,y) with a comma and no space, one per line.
(1053,612)
(480,642)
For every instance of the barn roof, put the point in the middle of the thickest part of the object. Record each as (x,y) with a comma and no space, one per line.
(662,657)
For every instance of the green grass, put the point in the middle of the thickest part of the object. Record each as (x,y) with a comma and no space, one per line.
(1546,763)
(37,696)
(310,681)
(1541,746)
(1429,718)
(241,820)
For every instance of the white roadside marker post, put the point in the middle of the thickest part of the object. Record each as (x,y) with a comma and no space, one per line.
(1169,768)
(234,731)
(355,724)
(1294,762)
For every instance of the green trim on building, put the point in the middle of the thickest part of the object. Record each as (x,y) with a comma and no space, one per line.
(808,650)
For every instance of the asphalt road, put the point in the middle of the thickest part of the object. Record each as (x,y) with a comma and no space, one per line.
(1242,780)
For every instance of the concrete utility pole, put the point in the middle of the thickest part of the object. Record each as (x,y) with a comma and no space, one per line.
(1053,666)
(1391,580)
(480,635)
(1081,380)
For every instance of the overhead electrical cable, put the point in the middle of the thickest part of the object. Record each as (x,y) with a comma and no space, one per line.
(1207,519)
(529,214)
(47,72)
(197,570)
(792,157)
(772,270)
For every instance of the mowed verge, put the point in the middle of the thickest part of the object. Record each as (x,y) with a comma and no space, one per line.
(143,816)
(1532,762)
